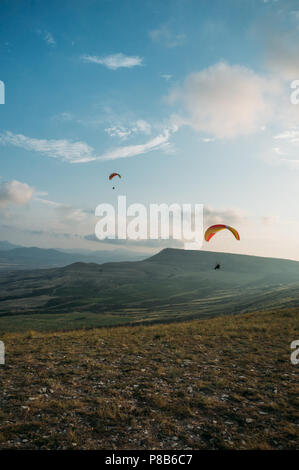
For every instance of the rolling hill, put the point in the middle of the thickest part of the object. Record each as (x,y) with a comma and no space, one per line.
(170,286)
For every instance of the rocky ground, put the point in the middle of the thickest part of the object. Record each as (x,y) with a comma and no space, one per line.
(222,383)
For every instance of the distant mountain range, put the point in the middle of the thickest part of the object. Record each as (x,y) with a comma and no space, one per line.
(172,285)
(4,245)
(19,257)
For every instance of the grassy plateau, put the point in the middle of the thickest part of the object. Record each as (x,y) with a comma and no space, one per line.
(217,383)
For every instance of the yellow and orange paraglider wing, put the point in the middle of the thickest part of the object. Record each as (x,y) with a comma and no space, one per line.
(210,232)
(234,231)
(113,175)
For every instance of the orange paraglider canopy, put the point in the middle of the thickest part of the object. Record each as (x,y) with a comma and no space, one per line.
(113,175)
(211,231)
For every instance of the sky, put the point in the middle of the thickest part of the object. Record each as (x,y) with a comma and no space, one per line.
(188,100)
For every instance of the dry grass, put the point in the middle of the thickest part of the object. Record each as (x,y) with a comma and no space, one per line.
(222,383)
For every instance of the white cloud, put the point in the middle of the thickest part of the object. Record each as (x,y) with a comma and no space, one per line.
(70,214)
(206,139)
(166,37)
(286,154)
(47,202)
(15,192)
(161,142)
(287,151)
(73,152)
(40,193)
(142,126)
(138,127)
(291,136)
(114,61)
(228,216)
(226,101)
(80,152)
(118,131)
(67,214)
(166,76)
(47,37)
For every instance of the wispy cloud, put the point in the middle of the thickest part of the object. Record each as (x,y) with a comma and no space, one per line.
(73,152)
(166,76)
(66,213)
(118,131)
(47,202)
(168,38)
(114,61)
(161,142)
(287,151)
(138,127)
(47,37)
(291,136)
(81,152)
(71,214)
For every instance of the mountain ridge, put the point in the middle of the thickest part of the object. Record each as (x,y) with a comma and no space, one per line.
(169,286)
(34,257)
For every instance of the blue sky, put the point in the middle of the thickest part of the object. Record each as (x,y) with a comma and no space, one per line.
(188,100)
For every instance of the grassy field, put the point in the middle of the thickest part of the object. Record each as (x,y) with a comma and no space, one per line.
(219,383)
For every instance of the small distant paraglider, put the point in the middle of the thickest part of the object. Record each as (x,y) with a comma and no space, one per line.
(112,175)
(211,231)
